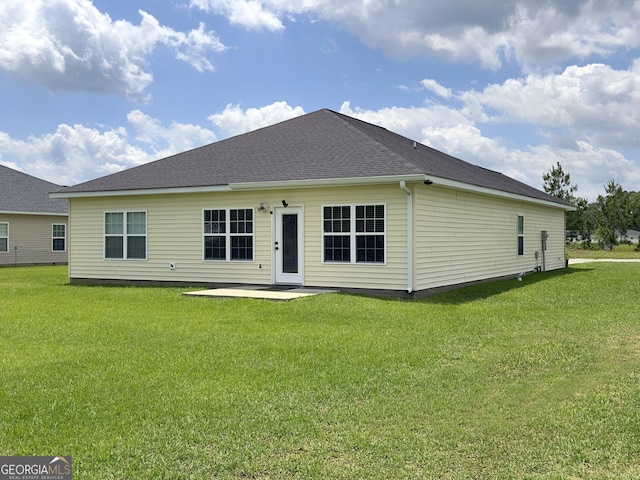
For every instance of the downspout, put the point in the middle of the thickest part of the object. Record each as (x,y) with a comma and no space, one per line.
(403,186)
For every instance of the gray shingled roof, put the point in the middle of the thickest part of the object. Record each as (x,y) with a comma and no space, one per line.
(318,146)
(20,192)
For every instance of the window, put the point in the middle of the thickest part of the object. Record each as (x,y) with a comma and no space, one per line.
(125,235)
(228,234)
(215,246)
(520,235)
(337,220)
(370,233)
(4,237)
(59,237)
(354,233)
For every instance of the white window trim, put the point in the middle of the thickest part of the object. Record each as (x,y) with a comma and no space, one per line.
(125,235)
(353,234)
(228,235)
(53,225)
(7,237)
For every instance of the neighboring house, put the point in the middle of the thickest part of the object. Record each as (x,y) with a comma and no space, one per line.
(33,226)
(320,200)
(630,236)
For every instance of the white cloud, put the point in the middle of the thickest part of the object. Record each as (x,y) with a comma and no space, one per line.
(593,102)
(452,131)
(250,14)
(74,154)
(531,32)
(234,121)
(435,87)
(70,44)
(165,141)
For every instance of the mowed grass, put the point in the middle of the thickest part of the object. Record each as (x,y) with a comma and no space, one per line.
(532,379)
(618,252)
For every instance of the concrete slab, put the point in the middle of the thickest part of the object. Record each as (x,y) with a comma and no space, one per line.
(260,292)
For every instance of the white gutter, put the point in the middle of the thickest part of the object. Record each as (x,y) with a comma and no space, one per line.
(325,182)
(403,186)
(48,214)
(444,182)
(328,182)
(150,191)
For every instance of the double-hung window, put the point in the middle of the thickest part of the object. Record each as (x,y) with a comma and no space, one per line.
(59,237)
(337,234)
(354,233)
(520,235)
(125,235)
(4,237)
(228,234)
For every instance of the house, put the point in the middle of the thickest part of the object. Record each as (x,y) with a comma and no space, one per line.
(321,200)
(33,226)
(629,236)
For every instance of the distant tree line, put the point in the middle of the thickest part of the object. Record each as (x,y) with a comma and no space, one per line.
(616,211)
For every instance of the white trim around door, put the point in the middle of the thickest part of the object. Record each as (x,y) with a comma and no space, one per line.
(288,245)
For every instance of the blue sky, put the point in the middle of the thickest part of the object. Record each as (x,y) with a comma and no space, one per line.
(88,88)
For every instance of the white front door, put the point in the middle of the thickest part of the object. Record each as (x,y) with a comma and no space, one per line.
(289,245)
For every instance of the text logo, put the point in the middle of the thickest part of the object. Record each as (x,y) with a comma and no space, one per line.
(36,468)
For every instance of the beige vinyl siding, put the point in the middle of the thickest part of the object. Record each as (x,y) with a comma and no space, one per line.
(392,275)
(32,235)
(462,237)
(175,234)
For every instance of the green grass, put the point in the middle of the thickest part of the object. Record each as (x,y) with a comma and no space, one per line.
(533,379)
(619,251)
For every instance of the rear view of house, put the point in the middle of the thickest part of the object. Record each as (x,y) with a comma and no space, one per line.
(319,200)
(33,226)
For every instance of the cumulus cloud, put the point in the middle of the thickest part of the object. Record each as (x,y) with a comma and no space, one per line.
(583,117)
(70,44)
(165,141)
(233,120)
(531,32)
(594,101)
(250,14)
(73,154)
(76,153)
(436,88)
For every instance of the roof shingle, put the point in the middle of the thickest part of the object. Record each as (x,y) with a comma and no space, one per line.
(20,192)
(316,146)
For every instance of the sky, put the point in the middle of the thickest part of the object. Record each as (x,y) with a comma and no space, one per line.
(88,88)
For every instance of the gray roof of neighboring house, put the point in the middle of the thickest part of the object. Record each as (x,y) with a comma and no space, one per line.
(20,192)
(317,146)
(629,233)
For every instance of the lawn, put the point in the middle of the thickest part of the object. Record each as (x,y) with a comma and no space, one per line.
(618,251)
(536,379)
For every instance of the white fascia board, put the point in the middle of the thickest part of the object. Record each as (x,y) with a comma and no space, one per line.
(150,191)
(444,182)
(326,182)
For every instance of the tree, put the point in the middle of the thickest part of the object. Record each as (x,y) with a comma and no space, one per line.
(614,213)
(558,184)
(584,220)
(634,210)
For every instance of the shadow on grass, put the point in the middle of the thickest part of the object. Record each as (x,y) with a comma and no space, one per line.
(485,290)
